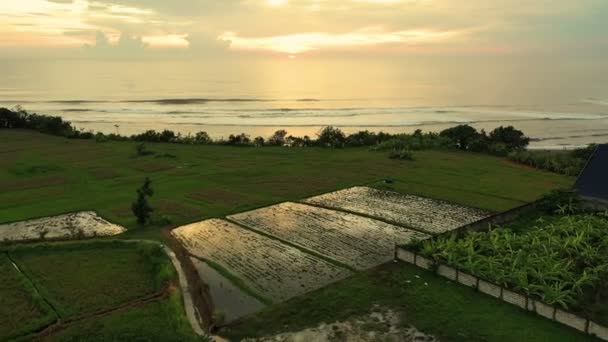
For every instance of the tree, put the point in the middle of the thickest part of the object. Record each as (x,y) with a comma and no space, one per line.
(513,139)
(278,138)
(258,141)
(460,135)
(167,136)
(240,139)
(202,138)
(331,137)
(141,208)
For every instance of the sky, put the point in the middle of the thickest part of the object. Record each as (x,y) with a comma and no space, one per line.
(287,29)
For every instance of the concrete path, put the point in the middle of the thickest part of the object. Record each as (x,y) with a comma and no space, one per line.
(191,311)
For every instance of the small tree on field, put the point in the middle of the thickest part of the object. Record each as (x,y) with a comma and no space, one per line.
(141,208)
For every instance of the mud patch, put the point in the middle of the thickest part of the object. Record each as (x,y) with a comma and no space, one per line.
(380,325)
(69,226)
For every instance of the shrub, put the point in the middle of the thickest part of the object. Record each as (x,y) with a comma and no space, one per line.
(461,135)
(331,137)
(401,154)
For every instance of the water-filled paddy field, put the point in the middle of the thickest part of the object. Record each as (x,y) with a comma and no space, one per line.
(284,250)
(356,241)
(425,214)
(228,299)
(272,269)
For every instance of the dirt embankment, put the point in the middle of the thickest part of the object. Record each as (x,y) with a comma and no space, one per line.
(199,291)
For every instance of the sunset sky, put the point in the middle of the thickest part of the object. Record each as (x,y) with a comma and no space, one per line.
(302,28)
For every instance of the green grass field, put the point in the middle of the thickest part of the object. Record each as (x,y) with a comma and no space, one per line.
(432,304)
(21,308)
(80,279)
(90,285)
(43,175)
(157,321)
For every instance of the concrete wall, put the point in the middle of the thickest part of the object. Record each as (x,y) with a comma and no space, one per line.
(497,219)
(514,298)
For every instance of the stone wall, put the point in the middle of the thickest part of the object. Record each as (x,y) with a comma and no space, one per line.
(514,298)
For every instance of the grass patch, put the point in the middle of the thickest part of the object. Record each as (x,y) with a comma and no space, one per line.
(80,279)
(156,321)
(247,178)
(445,309)
(21,308)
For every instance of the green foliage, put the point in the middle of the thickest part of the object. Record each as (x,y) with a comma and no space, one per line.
(238,140)
(415,142)
(21,307)
(461,135)
(331,137)
(258,142)
(445,309)
(499,142)
(81,278)
(157,263)
(509,138)
(141,208)
(278,138)
(142,150)
(560,259)
(162,320)
(401,154)
(569,163)
(202,138)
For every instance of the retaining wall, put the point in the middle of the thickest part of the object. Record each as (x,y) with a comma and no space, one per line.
(497,219)
(521,300)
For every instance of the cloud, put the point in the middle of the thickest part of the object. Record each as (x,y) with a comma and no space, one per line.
(124,46)
(304,42)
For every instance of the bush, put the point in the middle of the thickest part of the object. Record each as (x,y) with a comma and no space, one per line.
(331,137)
(569,163)
(401,155)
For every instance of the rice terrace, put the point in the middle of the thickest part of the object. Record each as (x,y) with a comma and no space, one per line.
(249,243)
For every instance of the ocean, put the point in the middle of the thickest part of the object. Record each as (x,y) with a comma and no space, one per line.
(259,97)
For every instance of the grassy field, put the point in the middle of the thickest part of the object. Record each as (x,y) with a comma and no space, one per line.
(91,285)
(156,321)
(43,175)
(445,309)
(21,308)
(80,279)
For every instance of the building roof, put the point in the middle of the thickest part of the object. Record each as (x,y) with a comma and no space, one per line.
(592,183)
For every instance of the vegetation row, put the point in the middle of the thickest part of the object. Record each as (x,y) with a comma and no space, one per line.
(561,257)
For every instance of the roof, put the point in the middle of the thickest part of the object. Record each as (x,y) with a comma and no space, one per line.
(593,181)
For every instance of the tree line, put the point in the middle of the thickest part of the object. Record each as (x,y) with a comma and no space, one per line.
(500,141)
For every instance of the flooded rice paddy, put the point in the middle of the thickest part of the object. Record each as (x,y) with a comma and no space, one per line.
(270,268)
(356,241)
(285,250)
(228,300)
(425,214)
